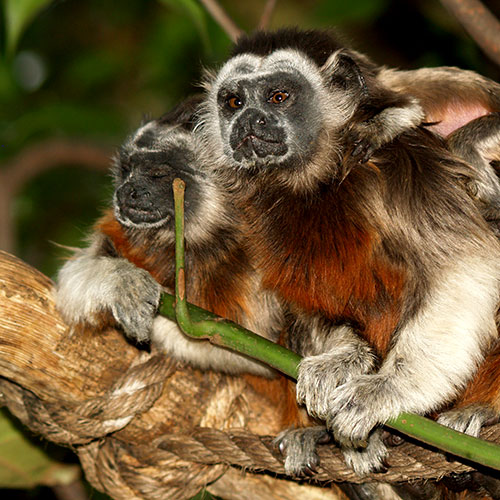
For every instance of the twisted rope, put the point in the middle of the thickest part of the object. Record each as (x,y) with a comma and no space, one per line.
(237,447)
(68,422)
(205,451)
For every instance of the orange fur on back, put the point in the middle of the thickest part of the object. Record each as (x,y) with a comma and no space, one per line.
(330,264)
(485,386)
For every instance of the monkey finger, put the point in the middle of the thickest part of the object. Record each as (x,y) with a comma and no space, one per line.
(362,151)
(298,446)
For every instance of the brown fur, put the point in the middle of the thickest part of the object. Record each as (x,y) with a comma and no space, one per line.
(450,97)
(485,386)
(222,289)
(326,252)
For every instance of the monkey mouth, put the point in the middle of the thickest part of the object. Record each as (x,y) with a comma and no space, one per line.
(137,217)
(255,139)
(252,145)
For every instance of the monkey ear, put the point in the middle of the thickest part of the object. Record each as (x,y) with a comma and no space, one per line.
(341,71)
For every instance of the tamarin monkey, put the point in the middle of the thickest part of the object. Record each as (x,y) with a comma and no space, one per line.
(140,230)
(387,266)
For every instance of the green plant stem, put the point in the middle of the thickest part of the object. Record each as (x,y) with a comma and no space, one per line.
(211,327)
(202,324)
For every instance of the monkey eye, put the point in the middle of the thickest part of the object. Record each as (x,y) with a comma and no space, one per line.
(158,173)
(234,102)
(278,97)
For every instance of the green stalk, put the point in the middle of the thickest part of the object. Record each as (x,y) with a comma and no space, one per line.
(202,324)
(209,326)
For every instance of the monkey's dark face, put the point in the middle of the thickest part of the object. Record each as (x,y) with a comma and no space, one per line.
(261,117)
(269,112)
(147,164)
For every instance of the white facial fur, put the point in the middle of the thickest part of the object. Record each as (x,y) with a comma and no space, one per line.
(331,110)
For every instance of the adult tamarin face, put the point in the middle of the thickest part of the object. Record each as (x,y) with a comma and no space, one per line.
(270,111)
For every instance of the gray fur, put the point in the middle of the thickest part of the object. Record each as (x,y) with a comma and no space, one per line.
(330,363)
(384,127)
(299,448)
(469,419)
(98,282)
(478,142)
(462,106)
(367,457)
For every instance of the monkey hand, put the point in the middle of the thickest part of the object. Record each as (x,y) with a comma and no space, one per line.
(370,135)
(364,139)
(469,419)
(298,447)
(90,285)
(319,375)
(367,459)
(351,411)
(137,297)
(363,150)
(356,407)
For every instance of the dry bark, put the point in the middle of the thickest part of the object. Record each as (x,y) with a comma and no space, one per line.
(112,402)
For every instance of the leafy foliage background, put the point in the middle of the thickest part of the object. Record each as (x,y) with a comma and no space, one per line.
(91,70)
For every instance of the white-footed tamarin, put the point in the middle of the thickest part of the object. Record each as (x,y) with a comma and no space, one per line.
(389,269)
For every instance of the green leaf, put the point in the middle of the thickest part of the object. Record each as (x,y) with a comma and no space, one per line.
(18,14)
(195,11)
(25,464)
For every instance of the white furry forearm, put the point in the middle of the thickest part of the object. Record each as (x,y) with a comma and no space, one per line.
(86,286)
(437,353)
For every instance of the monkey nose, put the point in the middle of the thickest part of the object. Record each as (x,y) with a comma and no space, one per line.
(254,119)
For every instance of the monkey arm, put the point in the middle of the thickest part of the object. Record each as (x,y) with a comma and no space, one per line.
(451,97)
(96,287)
(370,135)
(434,355)
(343,355)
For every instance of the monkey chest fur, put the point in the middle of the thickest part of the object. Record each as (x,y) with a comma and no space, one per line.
(324,256)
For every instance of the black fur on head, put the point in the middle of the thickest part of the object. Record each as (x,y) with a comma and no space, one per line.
(316,44)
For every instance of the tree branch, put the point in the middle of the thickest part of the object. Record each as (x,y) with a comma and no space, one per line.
(114,405)
(222,18)
(43,156)
(35,160)
(480,23)
(267,14)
